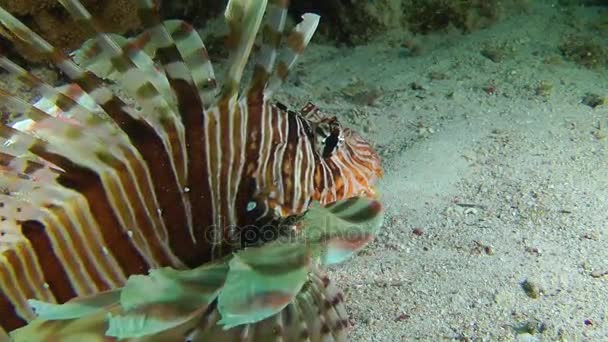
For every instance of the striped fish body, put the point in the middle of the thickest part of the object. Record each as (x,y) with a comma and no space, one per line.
(97,187)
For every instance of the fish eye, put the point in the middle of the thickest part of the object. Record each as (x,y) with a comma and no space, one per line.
(326,135)
(330,145)
(329,137)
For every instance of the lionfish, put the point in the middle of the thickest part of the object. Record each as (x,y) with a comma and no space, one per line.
(145,161)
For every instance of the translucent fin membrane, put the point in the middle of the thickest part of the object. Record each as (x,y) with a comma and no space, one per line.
(244,18)
(272,32)
(296,43)
(339,230)
(317,313)
(275,290)
(79,184)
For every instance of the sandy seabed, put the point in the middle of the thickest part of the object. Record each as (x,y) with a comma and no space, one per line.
(496,182)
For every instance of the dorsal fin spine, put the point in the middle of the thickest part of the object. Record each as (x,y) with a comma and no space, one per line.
(297,41)
(244,18)
(272,32)
(140,77)
(120,147)
(144,84)
(195,56)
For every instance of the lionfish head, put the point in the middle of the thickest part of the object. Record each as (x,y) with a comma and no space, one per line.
(347,158)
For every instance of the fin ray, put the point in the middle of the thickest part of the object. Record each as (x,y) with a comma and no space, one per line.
(272,31)
(145,137)
(244,18)
(297,41)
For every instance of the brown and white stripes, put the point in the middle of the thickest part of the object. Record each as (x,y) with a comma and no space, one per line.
(102,187)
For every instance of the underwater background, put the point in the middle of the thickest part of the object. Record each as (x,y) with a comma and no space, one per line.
(490,118)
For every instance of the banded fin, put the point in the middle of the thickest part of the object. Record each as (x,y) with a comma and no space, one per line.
(257,287)
(126,231)
(272,31)
(187,40)
(190,99)
(18,283)
(122,201)
(27,167)
(78,307)
(68,102)
(311,112)
(94,59)
(297,41)
(244,18)
(100,94)
(196,58)
(187,294)
(31,201)
(78,110)
(316,314)
(188,69)
(64,139)
(145,138)
(145,83)
(272,289)
(339,230)
(61,212)
(183,56)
